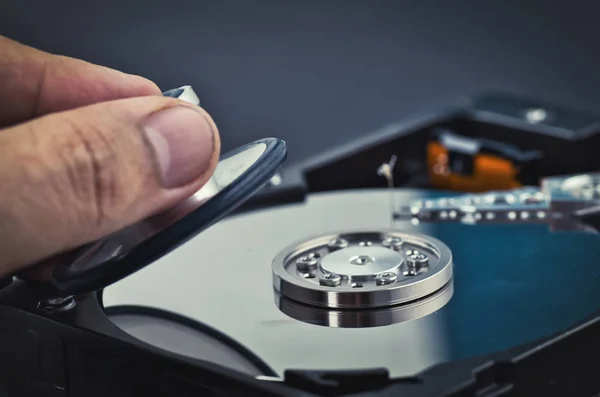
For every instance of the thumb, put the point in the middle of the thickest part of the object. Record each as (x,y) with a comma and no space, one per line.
(73,177)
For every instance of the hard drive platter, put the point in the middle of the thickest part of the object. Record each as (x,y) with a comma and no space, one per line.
(497,287)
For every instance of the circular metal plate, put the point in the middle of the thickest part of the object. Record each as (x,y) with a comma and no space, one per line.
(358,270)
(503,277)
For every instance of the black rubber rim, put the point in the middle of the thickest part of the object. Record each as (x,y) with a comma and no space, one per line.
(180,232)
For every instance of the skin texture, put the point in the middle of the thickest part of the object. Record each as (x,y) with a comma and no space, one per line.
(85,151)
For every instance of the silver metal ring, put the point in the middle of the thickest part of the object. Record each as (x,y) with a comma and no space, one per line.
(366,318)
(411,280)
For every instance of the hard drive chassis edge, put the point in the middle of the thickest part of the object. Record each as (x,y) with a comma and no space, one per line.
(48,351)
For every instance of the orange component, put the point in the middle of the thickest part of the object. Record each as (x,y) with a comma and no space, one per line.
(489,172)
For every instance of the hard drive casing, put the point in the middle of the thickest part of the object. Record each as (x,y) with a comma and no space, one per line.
(82,353)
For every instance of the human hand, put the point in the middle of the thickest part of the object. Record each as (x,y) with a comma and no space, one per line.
(86,151)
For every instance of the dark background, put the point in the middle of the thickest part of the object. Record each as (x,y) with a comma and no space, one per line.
(318,73)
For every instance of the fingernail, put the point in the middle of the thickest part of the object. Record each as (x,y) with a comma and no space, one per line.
(182,140)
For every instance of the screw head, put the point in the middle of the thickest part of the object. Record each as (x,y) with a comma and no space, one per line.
(330,280)
(393,242)
(337,243)
(307,263)
(386,278)
(57,305)
(416,260)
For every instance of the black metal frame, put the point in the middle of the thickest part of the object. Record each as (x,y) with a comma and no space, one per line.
(80,352)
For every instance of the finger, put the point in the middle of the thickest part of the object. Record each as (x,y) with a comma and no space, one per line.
(33,82)
(72,177)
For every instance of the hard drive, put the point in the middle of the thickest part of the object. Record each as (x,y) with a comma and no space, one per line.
(442,256)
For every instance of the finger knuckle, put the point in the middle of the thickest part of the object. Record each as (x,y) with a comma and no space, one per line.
(91,172)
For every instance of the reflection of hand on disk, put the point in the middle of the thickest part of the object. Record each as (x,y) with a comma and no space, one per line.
(87,151)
